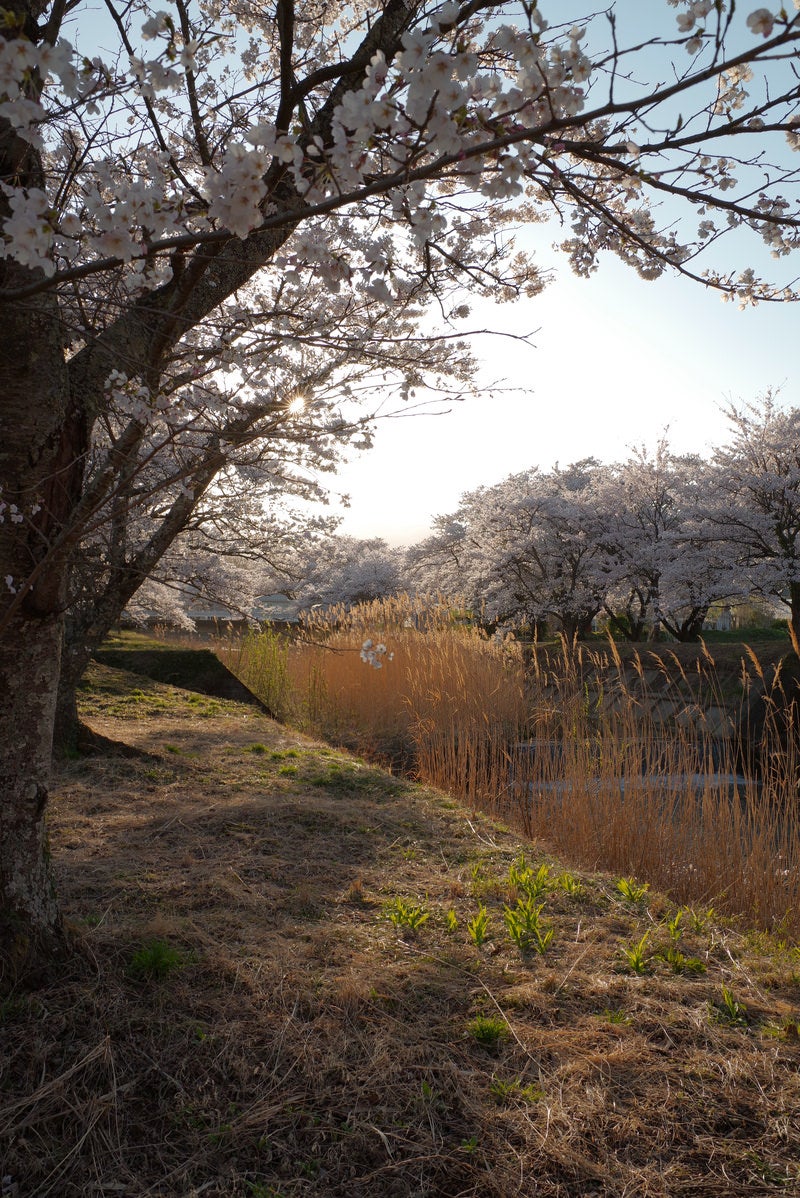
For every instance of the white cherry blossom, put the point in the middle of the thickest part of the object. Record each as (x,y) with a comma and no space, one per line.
(761,22)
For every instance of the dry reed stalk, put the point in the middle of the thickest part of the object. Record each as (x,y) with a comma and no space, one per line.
(615,763)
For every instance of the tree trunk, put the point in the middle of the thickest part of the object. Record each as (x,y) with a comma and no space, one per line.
(569,627)
(42,446)
(631,622)
(94,614)
(38,461)
(46,413)
(794,616)
(70,735)
(585,622)
(621,624)
(688,629)
(576,626)
(30,923)
(66,729)
(80,641)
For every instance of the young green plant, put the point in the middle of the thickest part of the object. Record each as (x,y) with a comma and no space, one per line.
(523,924)
(636,955)
(522,877)
(478,926)
(407,915)
(729,1010)
(632,890)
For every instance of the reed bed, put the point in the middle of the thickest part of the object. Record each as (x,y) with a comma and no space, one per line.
(637,766)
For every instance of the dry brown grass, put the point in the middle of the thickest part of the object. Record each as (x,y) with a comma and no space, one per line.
(307,1046)
(622,765)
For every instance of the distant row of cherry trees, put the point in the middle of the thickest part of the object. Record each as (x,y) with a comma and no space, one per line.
(655,540)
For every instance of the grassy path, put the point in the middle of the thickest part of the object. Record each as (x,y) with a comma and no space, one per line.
(245,1017)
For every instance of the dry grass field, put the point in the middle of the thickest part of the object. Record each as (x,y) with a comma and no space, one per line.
(297,975)
(668,761)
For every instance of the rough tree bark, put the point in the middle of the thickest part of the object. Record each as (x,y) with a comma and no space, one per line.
(42,447)
(43,441)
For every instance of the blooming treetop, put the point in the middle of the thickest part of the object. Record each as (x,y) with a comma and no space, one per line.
(523,548)
(346,570)
(661,565)
(202,124)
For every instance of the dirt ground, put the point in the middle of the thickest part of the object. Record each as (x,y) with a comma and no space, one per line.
(249,1010)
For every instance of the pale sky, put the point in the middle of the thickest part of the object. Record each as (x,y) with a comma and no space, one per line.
(617,359)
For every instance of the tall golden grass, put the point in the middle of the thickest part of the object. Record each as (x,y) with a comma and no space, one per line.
(628,766)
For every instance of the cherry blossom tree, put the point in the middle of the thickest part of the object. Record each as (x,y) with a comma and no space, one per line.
(637,510)
(438,564)
(696,574)
(347,570)
(663,568)
(142,190)
(226,451)
(755,505)
(522,551)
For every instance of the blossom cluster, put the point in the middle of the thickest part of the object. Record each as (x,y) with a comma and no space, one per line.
(14,514)
(22,62)
(236,193)
(131,399)
(373,655)
(689,21)
(732,92)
